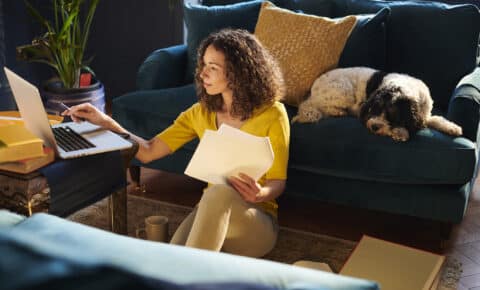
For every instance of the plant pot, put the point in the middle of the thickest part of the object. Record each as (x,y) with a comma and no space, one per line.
(53,93)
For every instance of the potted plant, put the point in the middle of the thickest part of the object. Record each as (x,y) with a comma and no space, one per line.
(62,47)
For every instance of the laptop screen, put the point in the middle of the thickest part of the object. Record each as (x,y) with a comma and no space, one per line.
(31,108)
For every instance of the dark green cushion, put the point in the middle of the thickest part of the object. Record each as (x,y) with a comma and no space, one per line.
(366,45)
(343,147)
(432,41)
(315,7)
(202,20)
(443,202)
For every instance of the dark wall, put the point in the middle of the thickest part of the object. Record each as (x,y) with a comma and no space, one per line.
(16,28)
(6,101)
(20,29)
(123,33)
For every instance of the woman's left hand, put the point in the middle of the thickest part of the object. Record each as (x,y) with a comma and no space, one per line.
(248,188)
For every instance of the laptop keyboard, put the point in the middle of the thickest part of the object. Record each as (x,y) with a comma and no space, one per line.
(70,140)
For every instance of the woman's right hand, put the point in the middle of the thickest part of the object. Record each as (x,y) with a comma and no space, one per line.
(88,112)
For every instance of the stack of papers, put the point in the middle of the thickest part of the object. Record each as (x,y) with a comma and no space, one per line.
(227,152)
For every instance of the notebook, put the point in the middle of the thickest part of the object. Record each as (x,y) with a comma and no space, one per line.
(394,266)
(70,139)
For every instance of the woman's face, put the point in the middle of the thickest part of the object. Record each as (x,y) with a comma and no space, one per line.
(213,74)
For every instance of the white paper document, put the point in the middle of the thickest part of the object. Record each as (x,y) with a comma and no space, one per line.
(227,152)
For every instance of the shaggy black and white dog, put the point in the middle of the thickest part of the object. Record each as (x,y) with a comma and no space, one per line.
(389,104)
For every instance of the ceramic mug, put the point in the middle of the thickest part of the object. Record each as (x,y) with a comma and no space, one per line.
(155,229)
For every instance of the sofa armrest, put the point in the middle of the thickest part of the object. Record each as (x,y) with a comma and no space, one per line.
(163,68)
(9,219)
(464,107)
(61,239)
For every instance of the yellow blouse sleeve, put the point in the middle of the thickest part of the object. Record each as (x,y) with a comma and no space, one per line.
(279,135)
(181,131)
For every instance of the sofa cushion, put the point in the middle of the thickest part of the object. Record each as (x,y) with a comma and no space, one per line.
(366,45)
(202,20)
(440,202)
(343,147)
(304,45)
(432,41)
(315,7)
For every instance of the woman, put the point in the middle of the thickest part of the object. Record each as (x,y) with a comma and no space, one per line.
(239,84)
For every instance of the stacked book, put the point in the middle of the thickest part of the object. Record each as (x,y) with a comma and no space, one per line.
(21,151)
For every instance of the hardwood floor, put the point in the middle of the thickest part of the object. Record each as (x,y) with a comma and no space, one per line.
(347,223)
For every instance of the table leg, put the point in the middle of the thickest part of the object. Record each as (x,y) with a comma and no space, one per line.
(117,204)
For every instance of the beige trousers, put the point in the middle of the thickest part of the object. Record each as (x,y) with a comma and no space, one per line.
(222,220)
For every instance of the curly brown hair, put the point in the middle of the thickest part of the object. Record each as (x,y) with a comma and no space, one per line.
(252,73)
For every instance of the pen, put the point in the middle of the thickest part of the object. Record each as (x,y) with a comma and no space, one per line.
(67,108)
(64,106)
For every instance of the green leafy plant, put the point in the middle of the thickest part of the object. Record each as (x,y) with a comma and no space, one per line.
(63,45)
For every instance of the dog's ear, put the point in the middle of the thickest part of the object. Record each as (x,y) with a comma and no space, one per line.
(374,82)
(407,111)
(373,106)
(364,108)
(403,105)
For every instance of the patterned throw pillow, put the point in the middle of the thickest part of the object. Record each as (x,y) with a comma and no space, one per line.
(305,46)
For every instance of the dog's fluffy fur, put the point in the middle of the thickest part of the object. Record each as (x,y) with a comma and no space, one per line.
(389,104)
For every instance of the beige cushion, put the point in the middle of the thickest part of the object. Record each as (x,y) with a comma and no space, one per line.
(305,46)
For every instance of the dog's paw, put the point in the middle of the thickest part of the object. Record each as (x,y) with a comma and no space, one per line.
(400,134)
(454,130)
(307,116)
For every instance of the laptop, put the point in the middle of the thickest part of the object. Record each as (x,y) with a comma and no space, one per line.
(70,139)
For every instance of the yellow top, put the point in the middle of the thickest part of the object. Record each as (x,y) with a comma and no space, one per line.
(269,122)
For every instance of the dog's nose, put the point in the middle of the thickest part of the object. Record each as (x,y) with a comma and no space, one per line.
(375,127)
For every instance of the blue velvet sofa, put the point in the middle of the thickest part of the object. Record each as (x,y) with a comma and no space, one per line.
(337,160)
(47,252)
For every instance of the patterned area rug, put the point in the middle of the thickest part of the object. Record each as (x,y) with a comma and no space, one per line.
(292,245)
